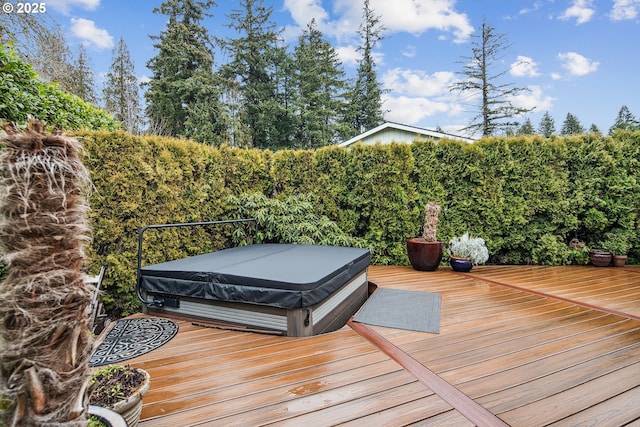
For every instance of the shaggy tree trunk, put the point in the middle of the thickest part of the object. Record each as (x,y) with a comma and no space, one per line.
(45,342)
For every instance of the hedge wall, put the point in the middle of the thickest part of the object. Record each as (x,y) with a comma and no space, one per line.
(527,196)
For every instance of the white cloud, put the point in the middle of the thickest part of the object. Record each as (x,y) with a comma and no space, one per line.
(534,98)
(349,55)
(412,16)
(65,6)
(303,11)
(409,51)
(624,10)
(581,10)
(417,83)
(411,110)
(524,67)
(576,64)
(86,30)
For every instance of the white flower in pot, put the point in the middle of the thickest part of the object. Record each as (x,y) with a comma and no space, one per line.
(466,251)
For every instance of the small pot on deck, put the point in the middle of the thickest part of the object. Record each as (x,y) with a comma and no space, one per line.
(461,265)
(600,258)
(619,260)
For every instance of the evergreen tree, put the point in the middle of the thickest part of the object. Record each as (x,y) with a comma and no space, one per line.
(320,82)
(495,110)
(547,126)
(120,92)
(183,96)
(594,129)
(365,98)
(82,82)
(625,120)
(571,125)
(526,128)
(252,71)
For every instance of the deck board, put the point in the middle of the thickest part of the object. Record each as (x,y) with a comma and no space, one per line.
(571,344)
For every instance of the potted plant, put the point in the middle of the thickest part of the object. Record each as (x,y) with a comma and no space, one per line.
(466,251)
(617,243)
(121,389)
(104,417)
(600,257)
(425,252)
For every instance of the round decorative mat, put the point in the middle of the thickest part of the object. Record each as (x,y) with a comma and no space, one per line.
(129,338)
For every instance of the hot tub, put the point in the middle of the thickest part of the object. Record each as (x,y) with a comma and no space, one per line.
(287,289)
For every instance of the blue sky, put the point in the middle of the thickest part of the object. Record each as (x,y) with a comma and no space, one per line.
(576,56)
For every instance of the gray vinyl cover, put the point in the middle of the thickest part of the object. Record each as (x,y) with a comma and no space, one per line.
(278,275)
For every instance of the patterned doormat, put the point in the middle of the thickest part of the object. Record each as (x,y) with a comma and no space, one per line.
(129,338)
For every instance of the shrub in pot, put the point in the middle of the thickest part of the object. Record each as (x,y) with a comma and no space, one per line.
(466,251)
(618,244)
(121,389)
(425,252)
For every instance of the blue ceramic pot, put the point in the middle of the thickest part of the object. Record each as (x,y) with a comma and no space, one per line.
(460,264)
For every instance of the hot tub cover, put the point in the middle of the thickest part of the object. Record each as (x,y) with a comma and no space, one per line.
(278,275)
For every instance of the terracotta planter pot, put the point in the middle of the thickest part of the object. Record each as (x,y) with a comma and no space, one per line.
(423,255)
(619,260)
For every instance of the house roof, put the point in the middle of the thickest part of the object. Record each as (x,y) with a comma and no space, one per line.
(406,128)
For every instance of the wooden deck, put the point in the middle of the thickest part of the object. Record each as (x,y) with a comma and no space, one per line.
(518,345)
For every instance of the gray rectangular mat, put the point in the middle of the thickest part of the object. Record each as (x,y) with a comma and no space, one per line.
(416,311)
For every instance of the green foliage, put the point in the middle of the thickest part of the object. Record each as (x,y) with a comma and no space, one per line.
(289,220)
(183,96)
(571,125)
(23,95)
(321,84)
(551,250)
(252,71)
(365,98)
(121,90)
(618,242)
(526,196)
(547,126)
(380,199)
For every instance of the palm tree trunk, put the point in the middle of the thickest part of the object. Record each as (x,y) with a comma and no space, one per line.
(45,342)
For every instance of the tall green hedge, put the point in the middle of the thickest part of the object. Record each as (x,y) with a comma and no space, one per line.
(527,196)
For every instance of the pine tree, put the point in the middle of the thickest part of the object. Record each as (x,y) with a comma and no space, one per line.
(120,93)
(547,126)
(82,82)
(183,96)
(495,110)
(571,125)
(625,120)
(320,81)
(365,98)
(526,128)
(252,71)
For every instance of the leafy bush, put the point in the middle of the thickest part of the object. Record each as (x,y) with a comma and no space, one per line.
(551,250)
(23,95)
(289,220)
